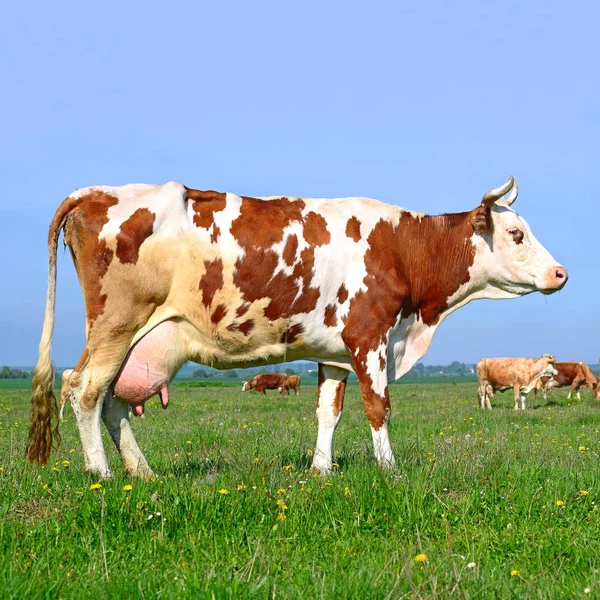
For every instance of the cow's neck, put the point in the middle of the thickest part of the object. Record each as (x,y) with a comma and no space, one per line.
(434,264)
(433,256)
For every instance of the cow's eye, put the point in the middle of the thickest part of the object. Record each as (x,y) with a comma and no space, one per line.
(517,234)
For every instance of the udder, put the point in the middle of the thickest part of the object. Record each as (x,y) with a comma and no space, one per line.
(150,366)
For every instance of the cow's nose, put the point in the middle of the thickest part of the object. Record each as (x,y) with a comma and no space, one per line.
(558,277)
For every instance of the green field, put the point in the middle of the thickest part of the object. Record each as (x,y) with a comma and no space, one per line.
(503,505)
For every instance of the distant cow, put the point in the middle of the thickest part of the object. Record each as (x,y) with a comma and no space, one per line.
(573,374)
(521,374)
(292,382)
(268,381)
(64,391)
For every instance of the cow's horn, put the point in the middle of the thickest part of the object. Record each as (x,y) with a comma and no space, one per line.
(513,195)
(494,195)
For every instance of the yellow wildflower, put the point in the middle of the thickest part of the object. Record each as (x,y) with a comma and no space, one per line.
(95,486)
(347,491)
(282,505)
(583,492)
(309,452)
(66,463)
(515,573)
(582,448)
(281,516)
(559,503)
(288,468)
(281,491)
(420,558)
(223,492)
(127,488)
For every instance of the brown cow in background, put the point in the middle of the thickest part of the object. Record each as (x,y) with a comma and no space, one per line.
(268,381)
(292,382)
(573,374)
(521,374)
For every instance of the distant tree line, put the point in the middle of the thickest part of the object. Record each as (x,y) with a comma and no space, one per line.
(455,369)
(236,373)
(8,373)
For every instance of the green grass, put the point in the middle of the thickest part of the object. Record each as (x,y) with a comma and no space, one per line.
(470,487)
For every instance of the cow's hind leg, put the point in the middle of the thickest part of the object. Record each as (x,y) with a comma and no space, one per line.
(332,385)
(91,382)
(115,414)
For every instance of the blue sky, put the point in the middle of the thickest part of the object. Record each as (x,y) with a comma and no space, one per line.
(423,105)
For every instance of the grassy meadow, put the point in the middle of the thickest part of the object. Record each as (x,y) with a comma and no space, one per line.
(482,504)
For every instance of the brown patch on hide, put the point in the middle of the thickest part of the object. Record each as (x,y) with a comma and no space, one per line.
(218,314)
(242,309)
(211,281)
(133,233)
(246,327)
(290,335)
(290,249)
(261,222)
(91,255)
(330,319)
(205,204)
(315,230)
(382,364)
(353,229)
(338,399)
(214,236)
(342,294)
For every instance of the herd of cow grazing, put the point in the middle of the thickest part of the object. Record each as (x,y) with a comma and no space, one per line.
(526,374)
(171,274)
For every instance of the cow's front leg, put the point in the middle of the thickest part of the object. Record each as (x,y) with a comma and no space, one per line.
(371,370)
(330,402)
(115,414)
(523,398)
(517,395)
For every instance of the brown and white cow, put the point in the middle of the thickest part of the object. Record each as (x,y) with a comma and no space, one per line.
(171,274)
(267,381)
(520,374)
(573,374)
(292,382)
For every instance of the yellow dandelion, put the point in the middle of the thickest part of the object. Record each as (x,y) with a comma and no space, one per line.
(581,448)
(583,492)
(241,487)
(127,488)
(95,486)
(559,503)
(515,573)
(281,491)
(282,505)
(223,492)
(288,468)
(281,516)
(309,452)
(245,426)
(184,565)
(55,469)
(420,558)
(347,491)
(256,459)
(66,463)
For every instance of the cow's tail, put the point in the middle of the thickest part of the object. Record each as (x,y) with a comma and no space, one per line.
(43,427)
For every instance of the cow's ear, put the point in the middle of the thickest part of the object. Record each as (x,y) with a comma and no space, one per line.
(481,218)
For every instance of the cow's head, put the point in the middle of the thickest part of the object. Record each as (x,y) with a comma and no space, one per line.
(246,386)
(509,260)
(548,370)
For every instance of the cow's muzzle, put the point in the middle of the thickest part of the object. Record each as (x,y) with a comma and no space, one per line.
(555,279)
